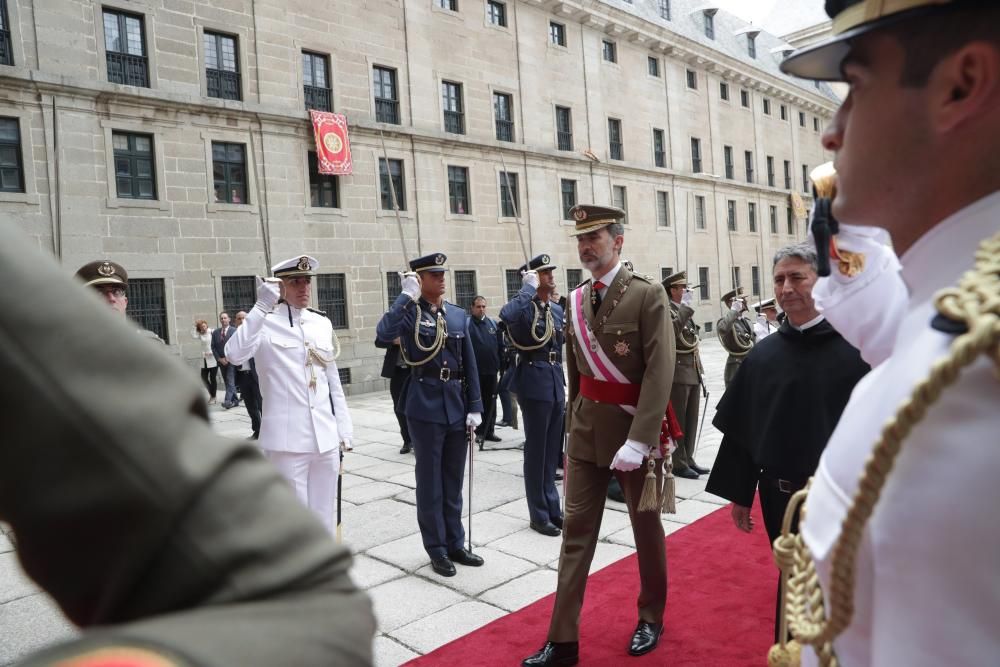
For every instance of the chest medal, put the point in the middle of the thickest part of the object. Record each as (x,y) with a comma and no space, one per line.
(622,348)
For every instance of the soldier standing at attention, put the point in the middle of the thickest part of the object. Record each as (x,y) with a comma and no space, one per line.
(735,332)
(442,404)
(110,280)
(536,329)
(618,339)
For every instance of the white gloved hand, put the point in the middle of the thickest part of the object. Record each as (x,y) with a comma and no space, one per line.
(410,284)
(346,446)
(737,305)
(268,293)
(629,456)
(687,298)
(473,419)
(530,278)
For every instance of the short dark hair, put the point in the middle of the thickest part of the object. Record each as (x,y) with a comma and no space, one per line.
(477,298)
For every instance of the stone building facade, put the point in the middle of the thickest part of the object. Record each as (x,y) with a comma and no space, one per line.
(172,136)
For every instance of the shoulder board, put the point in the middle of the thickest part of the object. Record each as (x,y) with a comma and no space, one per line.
(451,305)
(644,278)
(582,284)
(318,312)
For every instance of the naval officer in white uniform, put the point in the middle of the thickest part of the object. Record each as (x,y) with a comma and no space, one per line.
(305,421)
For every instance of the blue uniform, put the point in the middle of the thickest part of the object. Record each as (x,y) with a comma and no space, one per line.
(439,395)
(540,387)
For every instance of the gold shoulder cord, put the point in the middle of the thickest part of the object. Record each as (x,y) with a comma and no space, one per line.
(974,302)
(440,333)
(546,335)
(313,355)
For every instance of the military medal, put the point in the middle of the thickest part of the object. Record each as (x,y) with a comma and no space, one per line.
(621,348)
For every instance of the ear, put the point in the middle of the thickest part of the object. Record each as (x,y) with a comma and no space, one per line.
(965,87)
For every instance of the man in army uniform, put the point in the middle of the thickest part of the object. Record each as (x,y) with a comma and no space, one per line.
(305,421)
(442,404)
(684,394)
(618,339)
(535,325)
(735,332)
(110,280)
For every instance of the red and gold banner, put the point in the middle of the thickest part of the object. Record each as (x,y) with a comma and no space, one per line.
(333,150)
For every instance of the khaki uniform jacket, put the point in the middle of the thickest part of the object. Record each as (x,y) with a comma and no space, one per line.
(731,325)
(688,369)
(641,321)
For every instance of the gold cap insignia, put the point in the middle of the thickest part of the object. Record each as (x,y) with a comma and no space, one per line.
(106,269)
(303,264)
(580,215)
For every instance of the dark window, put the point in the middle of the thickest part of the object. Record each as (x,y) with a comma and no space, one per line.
(344,374)
(324,189)
(393,287)
(454,112)
(692,79)
(699,212)
(11,168)
(610,51)
(147,305)
(767,107)
(736,277)
(615,139)
(788,175)
(448,4)
(774,219)
(662,208)
(465,288)
(503,113)
(331,296)
(222,66)
(802,119)
(238,293)
(619,198)
(496,12)
(512,282)
(748,164)
(770,170)
(386,95)
(727,153)
(389,189)
(573,278)
(709,15)
(783,112)
(557,33)
(752,216)
(458,190)
(653,64)
(316,78)
(510,205)
(568,189)
(805,178)
(706,291)
(665,9)
(134,173)
(659,148)
(564,128)
(723,90)
(125,47)
(229,171)
(695,155)
(815,124)
(666,272)
(752,44)
(708,327)
(755,280)
(731,214)
(789,221)
(6,50)
(745,98)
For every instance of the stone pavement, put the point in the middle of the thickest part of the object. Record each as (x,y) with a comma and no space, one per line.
(417,610)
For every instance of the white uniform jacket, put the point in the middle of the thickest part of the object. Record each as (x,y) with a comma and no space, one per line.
(763,328)
(296,417)
(927,588)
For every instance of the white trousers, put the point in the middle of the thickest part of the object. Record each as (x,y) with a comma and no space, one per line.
(314,478)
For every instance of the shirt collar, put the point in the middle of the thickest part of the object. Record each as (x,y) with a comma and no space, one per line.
(609,277)
(808,325)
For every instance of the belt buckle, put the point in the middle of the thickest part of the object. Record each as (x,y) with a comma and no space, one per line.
(784,486)
(552,356)
(445,374)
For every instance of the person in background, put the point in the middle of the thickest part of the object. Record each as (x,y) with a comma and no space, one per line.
(209,366)
(248,383)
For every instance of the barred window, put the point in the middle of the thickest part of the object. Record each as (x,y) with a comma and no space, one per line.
(125,49)
(557,33)
(222,66)
(465,288)
(458,190)
(147,305)
(692,79)
(510,205)
(727,153)
(512,282)
(774,219)
(653,66)
(695,155)
(496,12)
(755,280)
(709,15)
(393,288)
(315,74)
(706,291)
(609,50)
(345,375)
(568,189)
(748,163)
(238,293)
(134,174)
(229,171)
(386,94)
(662,208)
(731,214)
(6,51)
(564,128)
(615,150)
(331,295)
(770,170)
(659,148)
(666,272)
(324,189)
(11,167)
(503,114)
(723,90)
(454,112)
(665,9)
(699,212)
(573,278)
(788,175)
(745,98)
(752,216)
(395,169)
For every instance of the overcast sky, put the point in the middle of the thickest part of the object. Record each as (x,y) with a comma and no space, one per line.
(777,16)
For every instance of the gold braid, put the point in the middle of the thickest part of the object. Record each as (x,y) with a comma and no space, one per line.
(440,333)
(546,334)
(976,302)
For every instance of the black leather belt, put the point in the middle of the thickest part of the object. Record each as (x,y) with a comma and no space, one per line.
(550,356)
(783,485)
(445,374)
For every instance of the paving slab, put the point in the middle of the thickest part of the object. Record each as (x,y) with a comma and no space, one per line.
(366,493)
(29,624)
(378,522)
(367,572)
(529,545)
(523,590)
(497,569)
(450,623)
(405,600)
(489,526)
(406,553)
(390,653)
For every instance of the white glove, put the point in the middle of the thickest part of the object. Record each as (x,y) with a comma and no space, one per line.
(629,456)
(687,298)
(410,284)
(737,305)
(473,419)
(345,445)
(530,278)
(268,293)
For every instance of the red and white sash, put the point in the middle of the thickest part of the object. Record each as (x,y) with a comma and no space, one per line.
(598,361)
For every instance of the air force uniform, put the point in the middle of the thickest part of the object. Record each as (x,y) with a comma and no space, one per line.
(536,329)
(443,389)
(305,417)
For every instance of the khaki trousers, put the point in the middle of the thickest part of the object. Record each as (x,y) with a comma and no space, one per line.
(686,399)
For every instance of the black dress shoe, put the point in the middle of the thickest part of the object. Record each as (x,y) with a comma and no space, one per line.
(554,653)
(443,566)
(686,473)
(547,528)
(645,638)
(405,449)
(503,423)
(465,557)
(557,521)
(698,469)
(494,438)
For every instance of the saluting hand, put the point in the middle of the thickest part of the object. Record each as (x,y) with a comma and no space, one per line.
(410,284)
(687,297)
(268,293)
(737,305)
(530,278)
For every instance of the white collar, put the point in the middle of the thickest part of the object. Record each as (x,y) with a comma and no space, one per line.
(808,325)
(940,256)
(609,277)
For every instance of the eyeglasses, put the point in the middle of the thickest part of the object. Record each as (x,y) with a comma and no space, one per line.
(117,292)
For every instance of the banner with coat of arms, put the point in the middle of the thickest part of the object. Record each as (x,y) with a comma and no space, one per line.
(333,150)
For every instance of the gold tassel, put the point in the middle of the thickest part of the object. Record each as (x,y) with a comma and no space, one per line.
(669,487)
(649,500)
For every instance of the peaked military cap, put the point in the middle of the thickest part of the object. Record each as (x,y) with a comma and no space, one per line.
(851,19)
(540,263)
(302,265)
(765,305)
(675,279)
(103,272)
(590,218)
(732,294)
(434,263)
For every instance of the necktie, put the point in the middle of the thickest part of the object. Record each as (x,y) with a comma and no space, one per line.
(595,294)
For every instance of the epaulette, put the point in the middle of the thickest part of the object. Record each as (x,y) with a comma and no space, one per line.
(644,278)
(318,312)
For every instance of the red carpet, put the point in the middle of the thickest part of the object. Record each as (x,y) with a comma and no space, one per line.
(720,608)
